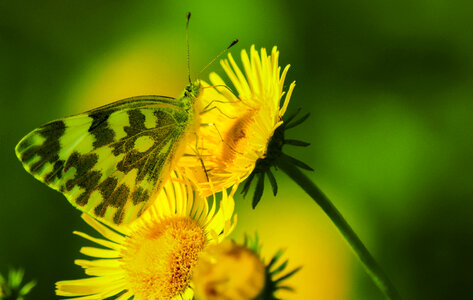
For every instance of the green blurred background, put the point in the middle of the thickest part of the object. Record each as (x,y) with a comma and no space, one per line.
(389,86)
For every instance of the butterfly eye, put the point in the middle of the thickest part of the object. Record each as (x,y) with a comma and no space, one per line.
(187,91)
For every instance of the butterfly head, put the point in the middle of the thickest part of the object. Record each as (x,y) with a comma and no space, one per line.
(192,90)
(189,95)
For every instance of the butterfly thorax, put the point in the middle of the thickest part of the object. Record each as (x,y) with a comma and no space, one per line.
(189,95)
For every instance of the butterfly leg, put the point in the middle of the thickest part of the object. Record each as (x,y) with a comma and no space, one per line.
(226,87)
(199,156)
(196,150)
(220,135)
(209,106)
(207,109)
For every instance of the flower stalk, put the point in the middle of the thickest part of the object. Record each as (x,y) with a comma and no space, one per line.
(275,157)
(372,268)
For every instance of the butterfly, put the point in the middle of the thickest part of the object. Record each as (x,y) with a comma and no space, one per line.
(111,160)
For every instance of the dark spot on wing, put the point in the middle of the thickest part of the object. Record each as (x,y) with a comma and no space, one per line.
(56,173)
(120,203)
(107,187)
(48,150)
(117,199)
(84,177)
(100,129)
(82,163)
(89,185)
(139,195)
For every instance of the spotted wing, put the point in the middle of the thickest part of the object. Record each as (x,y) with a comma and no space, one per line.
(109,161)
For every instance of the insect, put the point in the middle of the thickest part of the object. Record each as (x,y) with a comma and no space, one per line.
(109,162)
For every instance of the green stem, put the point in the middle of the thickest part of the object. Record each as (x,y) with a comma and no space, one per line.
(373,269)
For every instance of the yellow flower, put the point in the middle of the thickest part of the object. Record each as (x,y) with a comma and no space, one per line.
(238,272)
(235,130)
(153,258)
(229,271)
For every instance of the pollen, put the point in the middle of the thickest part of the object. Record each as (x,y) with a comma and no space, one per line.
(158,259)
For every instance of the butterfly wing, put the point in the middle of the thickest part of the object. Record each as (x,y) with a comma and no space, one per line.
(109,161)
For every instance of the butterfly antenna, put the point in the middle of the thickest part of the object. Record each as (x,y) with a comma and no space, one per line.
(187,46)
(216,57)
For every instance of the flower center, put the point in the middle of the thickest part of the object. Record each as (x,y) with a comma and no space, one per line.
(158,258)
